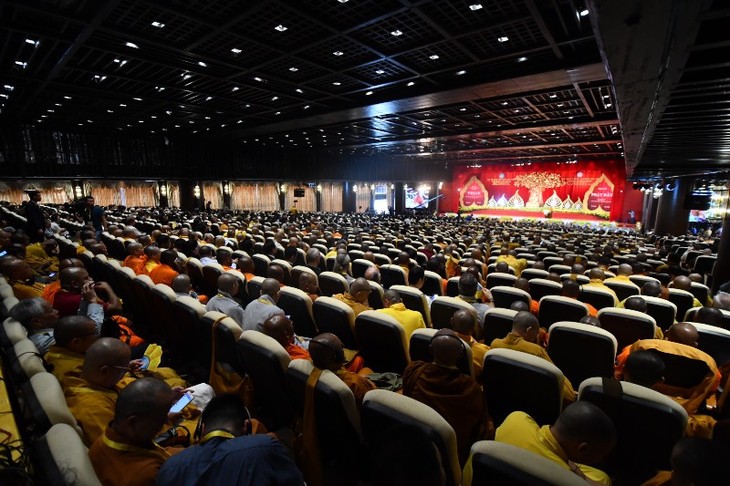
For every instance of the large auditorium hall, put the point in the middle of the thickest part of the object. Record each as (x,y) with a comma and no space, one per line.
(364,242)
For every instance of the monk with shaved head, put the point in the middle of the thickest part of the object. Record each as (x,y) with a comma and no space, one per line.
(357,297)
(582,435)
(328,353)
(456,396)
(225,301)
(281,328)
(263,307)
(464,322)
(681,341)
(91,396)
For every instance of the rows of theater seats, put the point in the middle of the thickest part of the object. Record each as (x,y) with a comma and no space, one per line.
(186,328)
(47,439)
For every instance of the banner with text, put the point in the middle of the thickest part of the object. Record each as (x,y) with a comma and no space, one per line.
(580,187)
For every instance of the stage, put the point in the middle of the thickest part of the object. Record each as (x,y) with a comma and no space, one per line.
(537,214)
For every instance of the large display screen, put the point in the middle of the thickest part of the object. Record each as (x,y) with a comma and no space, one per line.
(416,197)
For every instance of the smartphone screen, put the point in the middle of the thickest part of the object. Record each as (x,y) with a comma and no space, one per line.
(182,403)
(52,274)
(3,253)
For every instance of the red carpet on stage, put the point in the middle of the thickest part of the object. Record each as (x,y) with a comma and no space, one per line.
(516,213)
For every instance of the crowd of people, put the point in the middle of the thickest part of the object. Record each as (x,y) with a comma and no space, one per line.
(97,352)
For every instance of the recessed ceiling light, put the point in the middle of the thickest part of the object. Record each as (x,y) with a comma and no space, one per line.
(560,104)
(299,90)
(433,57)
(336,83)
(609,105)
(517,111)
(503,38)
(32,42)
(396,33)
(137,99)
(153,116)
(277,113)
(239,121)
(157,24)
(583,12)
(236,50)
(606,96)
(202,64)
(410,83)
(504,103)
(475,6)
(337,53)
(169,112)
(57,104)
(459,73)
(236,88)
(186,76)
(462,109)
(256,78)
(306,107)
(89,121)
(368,93)
(160,88)
(21,64)
(521,59)
(44,116)
(208,98)
(132,45)
(280,28)
(274,98)
(110,111)
(66,97)
(247,106)
(99,77)
(553,96)
(293,69)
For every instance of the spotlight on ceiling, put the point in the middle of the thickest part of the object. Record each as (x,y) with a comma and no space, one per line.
(671,185)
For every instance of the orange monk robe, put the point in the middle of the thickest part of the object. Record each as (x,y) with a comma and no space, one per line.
(92,406)
(50,291)
(513,341)
(136,263)
(457,397)
(120,464)
(358,384)
(690,399)
(298,352)
(24,291)
(453,269)
(534,306)
(249,276)
(356,306)
(163,274)
(150,265)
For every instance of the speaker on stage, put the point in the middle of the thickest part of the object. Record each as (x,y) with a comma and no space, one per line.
(548,213)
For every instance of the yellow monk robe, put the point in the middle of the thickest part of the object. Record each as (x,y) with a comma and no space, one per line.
(50,291)
(520,430)
(597,283)
(517,264)
(409,320)
(690,399)
(163,274)
(150,265)
(92,406)
(457,397)
(25,291)
(513,341)
(453,269)
(478,351)
(136,263)
(120,464)
(356,306)
(36,257)
(65,363)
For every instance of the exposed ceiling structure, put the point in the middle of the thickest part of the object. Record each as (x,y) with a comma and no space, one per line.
(461,80)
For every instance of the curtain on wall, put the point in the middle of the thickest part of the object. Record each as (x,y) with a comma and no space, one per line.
(362,199)
(132,194)
(52,192)
(262,196)
(306,203)
(141,194)
(332,197)
(213,192)
(173,195)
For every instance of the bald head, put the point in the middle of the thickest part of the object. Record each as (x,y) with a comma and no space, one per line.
(360,289)
(104,362)
(228,283)
(644,368)
(625,269)
(585,432)
(463,321)
(446,347)
(279,327)
(327,352)
(182,284)
(571,289)
(75,332)
(308,283)
(635,303)
(682,283)
(391,297)
(16,269)
(141,410)
(652,289)
(73,278)
(683,333)
(596,273)
(372,273)
(271,287)
(70,262)
(526,325)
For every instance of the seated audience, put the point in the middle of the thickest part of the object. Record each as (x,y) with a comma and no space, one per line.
(468,287)
(358,295)
(581,436)
(42,257)
(308,285)
(464,322)
(136,259)
(224,301)
(167,269)
(281,328)
(408,319)
(20,277)
(258,310)
(457,397)
(571,289)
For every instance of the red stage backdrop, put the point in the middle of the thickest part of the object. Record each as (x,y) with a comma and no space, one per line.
(594,188)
